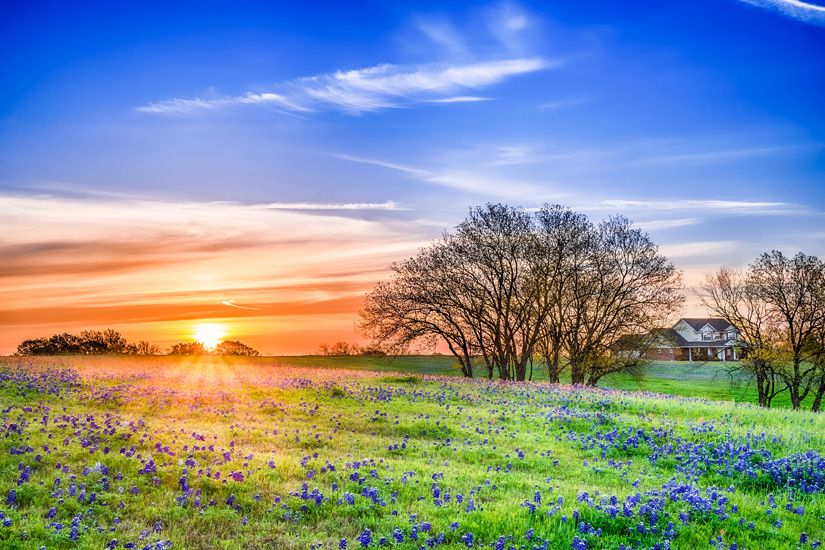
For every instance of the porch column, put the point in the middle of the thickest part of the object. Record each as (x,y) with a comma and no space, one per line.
(690,354)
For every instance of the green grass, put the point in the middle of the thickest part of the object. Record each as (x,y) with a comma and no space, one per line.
(413,423)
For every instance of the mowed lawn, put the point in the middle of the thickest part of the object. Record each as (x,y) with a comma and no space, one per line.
(353,452)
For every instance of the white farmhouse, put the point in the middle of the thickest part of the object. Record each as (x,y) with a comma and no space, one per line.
(694,339)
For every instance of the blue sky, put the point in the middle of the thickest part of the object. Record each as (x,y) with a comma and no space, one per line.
(145,148)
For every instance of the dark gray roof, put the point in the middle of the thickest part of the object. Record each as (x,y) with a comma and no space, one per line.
(719,325)
(676,340)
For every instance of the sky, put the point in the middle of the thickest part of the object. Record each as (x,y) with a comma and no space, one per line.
(255,167)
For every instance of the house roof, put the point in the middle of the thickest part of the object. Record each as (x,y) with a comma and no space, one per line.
(675,340)
(696,323)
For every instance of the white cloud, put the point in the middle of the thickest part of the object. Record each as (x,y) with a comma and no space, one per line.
(188,105)
(388,205)
(701,249)
(456,66)
(231,303)
(442,32)
(460,99)
(719,155)
(379,87)
(705,206)
(468,179)
(654,225)
(509,23)
(793,9)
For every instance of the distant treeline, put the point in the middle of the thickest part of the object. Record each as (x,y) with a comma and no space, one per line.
(344,348)
(111,342)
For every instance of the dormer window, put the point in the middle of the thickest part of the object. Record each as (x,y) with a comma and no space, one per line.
(707,336)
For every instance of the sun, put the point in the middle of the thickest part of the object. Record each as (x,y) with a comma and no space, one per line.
(209,334)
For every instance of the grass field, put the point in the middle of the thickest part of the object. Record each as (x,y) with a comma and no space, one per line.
(337,452)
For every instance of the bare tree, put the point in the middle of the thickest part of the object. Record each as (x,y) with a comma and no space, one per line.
(492,249)
(727,294)
(508,286)
(563,239)
(817,354)
(623,287)
(141,348)
(792,289)
(423,302)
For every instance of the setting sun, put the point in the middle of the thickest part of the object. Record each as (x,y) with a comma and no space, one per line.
(209,335)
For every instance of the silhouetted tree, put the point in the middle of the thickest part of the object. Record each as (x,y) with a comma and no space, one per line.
(142,348)
(232,347)
(34,346)
(89,342)
(188,348)
(508,286)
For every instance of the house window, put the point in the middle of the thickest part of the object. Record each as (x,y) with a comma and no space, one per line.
(707,337)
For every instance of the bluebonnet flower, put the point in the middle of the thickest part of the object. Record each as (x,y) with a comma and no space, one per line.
(365,538)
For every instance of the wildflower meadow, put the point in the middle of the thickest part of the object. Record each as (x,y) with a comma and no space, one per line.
(178,453)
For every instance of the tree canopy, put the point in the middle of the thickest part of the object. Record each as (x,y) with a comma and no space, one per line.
(88,342)
(778,305)
(111,342)
(508,286)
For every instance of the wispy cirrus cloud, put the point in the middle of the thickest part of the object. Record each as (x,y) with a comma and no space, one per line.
(705,205)
(722,155)
(461,99)
(231,303)
(387,205)
(466,178)
(793,9)
(699,249)
(654,225)
(370,89)
(454,70)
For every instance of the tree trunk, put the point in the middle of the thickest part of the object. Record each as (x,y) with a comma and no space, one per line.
(577,373)
(818,397)
(761,387)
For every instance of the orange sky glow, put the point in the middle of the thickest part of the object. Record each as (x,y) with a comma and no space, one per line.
(281,281)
